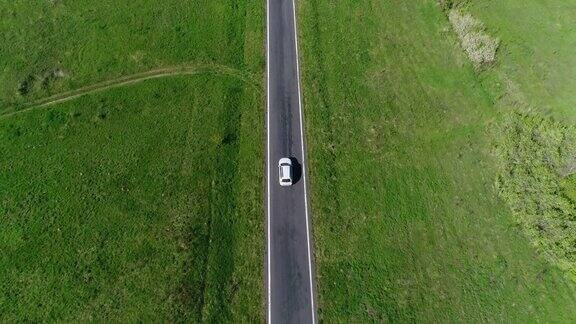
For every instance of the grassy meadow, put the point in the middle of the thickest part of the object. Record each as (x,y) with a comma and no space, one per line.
(532,84)
(139,201)
(416,204)
(536,61)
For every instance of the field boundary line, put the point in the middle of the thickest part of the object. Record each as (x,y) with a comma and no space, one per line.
(132,79)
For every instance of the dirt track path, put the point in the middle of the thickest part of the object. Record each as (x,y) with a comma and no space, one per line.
(132,79)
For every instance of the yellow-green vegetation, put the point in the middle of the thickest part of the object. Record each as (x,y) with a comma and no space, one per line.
(137,194)
(408,144)
(537,158)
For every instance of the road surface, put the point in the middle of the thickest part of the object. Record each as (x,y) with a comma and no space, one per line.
(290,271)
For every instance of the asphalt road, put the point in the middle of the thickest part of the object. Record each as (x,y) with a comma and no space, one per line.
(290,272)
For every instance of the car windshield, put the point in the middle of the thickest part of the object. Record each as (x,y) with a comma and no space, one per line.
(285,180)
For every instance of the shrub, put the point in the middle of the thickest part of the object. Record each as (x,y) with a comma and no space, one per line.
(534,154)
(479,46)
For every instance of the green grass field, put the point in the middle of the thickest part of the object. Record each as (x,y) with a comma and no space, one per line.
(410,223)
(536,58)
(140,200)
(131,165)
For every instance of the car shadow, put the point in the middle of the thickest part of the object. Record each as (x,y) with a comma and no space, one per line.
(296,170)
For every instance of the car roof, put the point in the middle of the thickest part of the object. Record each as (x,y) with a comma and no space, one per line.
(284,171)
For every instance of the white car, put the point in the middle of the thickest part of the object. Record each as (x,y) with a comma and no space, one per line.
(285,172)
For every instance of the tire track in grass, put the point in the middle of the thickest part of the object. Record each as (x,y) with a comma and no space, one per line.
(135,78)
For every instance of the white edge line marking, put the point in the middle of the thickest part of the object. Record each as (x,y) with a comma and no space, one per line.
(303,164)
(269,264)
